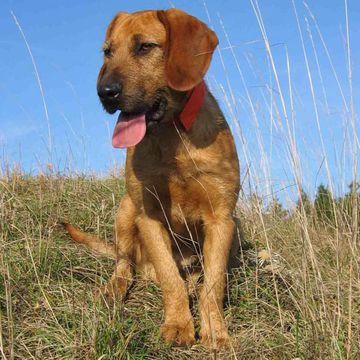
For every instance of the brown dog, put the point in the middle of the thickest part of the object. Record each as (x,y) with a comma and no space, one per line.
(182,172)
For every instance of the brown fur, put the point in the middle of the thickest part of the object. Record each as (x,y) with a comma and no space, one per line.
(182,187)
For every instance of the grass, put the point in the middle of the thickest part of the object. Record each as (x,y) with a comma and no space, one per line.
(297,299)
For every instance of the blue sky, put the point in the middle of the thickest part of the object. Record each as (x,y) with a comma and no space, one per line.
(66,37)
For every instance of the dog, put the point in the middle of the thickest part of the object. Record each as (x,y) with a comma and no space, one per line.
(181,172)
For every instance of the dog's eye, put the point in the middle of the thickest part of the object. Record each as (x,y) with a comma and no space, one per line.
(144,48)
(107,52)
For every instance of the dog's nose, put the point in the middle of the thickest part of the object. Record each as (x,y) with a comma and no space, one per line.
(109,91)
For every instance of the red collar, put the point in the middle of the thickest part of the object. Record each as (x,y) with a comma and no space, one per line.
(193,106)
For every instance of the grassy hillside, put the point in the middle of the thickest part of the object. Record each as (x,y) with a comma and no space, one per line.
(296,294)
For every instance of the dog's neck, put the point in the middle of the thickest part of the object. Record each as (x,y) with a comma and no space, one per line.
(193,105)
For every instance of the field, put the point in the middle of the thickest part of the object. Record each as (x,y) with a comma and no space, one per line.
(295,295)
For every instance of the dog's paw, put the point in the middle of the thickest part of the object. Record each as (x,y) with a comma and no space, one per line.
(111,293)
(178,334)
(215,339)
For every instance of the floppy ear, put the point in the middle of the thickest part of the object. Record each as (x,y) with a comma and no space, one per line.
(188,49)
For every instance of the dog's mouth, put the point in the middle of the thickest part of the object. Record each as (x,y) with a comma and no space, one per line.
(157,112)
(131,127)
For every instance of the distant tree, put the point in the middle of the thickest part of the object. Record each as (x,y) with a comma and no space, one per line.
(304,202)
(276,209)
(354,187)
(324,206)
(351,204)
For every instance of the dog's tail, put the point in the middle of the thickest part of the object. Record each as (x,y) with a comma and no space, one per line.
(91,241)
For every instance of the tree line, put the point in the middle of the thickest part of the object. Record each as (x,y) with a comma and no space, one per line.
(327,210)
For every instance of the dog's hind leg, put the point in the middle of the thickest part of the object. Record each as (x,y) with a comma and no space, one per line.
(126,243)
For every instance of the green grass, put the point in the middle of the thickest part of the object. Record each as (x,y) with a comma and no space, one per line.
(307,307)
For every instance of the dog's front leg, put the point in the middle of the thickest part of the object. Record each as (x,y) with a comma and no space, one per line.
(178,327)
(216,249)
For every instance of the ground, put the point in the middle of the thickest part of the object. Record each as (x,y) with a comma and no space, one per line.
(295,295)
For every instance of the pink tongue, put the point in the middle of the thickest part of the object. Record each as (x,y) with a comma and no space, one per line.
(129,130)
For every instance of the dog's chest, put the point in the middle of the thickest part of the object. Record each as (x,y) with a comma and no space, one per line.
(167,182)
(175,177)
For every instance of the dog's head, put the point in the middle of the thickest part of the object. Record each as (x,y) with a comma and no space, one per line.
(150,59)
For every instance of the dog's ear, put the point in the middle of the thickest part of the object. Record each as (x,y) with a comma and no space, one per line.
(188,49)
